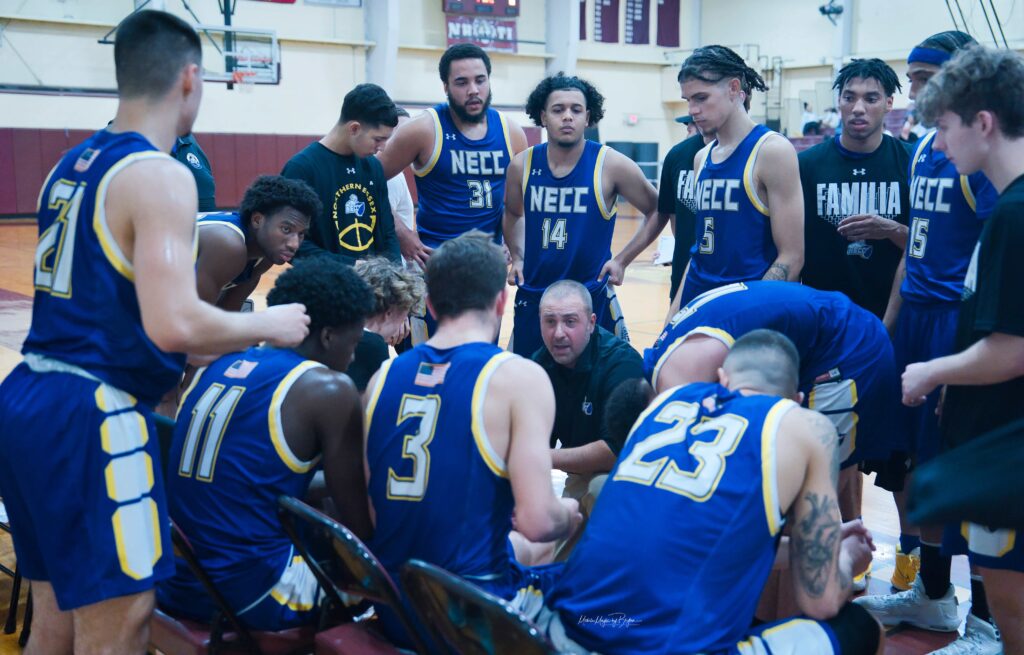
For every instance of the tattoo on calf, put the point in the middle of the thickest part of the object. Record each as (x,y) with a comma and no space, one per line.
(816,538)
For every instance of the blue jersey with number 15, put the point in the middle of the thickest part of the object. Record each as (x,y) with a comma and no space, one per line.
(86,312)
(568,227)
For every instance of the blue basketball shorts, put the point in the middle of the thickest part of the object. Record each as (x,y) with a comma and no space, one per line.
(923,332)
(860,396)
(526,335)
(82,484)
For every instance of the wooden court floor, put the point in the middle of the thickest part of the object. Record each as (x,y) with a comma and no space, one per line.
(644,300)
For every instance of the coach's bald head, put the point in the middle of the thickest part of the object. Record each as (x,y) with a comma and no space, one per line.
(762,361)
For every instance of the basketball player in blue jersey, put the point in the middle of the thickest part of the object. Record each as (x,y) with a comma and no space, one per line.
(750,211)
(457,432)
(567,188)
(709,476)
(947,214)
(237,248)
(975,100)
(256,425)
(460,151)
(846,362)
(115,299)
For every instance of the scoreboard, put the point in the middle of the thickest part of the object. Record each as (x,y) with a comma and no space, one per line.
(492,8)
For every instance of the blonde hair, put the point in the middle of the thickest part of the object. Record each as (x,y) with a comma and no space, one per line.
(393,287)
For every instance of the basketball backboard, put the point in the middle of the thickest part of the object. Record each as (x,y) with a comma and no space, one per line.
(240,55)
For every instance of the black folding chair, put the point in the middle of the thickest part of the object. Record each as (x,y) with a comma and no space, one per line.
(468,618)
(225,633)
(360,573)
(11,624)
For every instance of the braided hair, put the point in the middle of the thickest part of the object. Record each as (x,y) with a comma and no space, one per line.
(715,63)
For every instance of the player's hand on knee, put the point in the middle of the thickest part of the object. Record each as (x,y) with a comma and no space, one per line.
(614,270)
(289,325)
(515,273)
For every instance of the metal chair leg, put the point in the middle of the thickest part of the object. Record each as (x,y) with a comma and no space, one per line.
(12,611)
(26,624)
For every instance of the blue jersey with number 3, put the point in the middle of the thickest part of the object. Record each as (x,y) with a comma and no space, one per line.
(694,495)
(568,227)
(85,311)
(440,492)
(462,187)
(947,210)
(733,230)
(227,465)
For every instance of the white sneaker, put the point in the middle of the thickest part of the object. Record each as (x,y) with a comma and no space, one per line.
(915,608)
(980,638)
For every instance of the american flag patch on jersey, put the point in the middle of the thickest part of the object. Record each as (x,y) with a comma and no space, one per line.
(85,160)
(430,375)
(240,369)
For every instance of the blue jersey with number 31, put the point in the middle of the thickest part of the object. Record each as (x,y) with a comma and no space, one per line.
(694,495)
(568,228)
(85,311)
(462,187)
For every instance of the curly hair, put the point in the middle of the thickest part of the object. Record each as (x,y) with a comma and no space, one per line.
(978,79)
(538,99)
(868,69)
(270,193)
(393,287)
(333,293)
(715,63)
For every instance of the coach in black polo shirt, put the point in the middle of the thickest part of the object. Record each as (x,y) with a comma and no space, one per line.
(585,363)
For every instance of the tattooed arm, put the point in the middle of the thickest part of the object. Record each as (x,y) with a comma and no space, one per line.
(824,554)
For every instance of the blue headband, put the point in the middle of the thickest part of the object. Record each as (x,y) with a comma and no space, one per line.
(928,56)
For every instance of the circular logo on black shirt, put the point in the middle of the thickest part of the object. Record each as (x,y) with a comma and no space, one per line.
(193,160)
(355,216)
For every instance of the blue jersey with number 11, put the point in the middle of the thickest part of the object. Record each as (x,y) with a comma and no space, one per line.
(462,187)
(568,228)
(86,312)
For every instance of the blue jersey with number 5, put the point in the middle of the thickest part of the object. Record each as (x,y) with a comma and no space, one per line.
(694,496)
(462,187)
(440,492)
(85,311)
(568,227)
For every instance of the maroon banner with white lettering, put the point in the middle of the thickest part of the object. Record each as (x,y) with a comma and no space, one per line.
(488,33)
(606,21)
(638,22)
(583,20)
(668,23)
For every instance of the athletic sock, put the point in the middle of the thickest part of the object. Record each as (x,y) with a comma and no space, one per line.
(979,601)
(934,571)
(909,542)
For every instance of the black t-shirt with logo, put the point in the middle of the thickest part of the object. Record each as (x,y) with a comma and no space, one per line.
(675,196)
(992,302)
(356,220)
(838,183)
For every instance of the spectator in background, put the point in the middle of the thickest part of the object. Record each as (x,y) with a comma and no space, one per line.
(398,291)
(810,121)
(912,130)
(186,150)
(830,121)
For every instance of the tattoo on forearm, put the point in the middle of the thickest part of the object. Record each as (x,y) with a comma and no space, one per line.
(815,539)
(777,271)
(826,431)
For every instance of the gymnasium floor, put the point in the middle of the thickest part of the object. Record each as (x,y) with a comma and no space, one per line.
(644,299)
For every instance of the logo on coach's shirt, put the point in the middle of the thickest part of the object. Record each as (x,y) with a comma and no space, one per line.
(588,407)
(192,159)
(860,171)
(355,216)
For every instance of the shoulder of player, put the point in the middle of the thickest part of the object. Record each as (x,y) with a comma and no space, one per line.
(777,146)
(809,428)
(155,181)
(322,386)
(421,127)
(224,240)
(518,373)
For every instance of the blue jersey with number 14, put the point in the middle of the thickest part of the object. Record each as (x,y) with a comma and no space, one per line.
(568,228)
(86,312)
(694,493)
(462,187)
